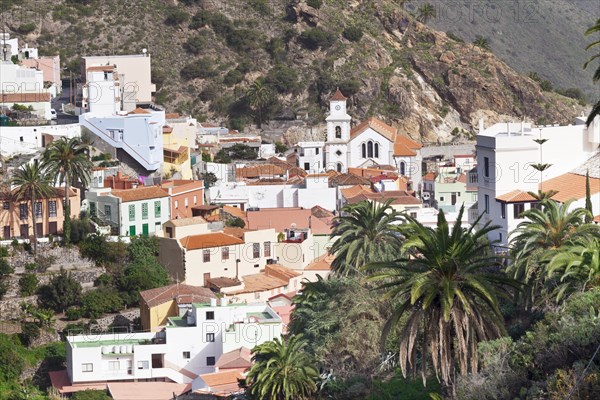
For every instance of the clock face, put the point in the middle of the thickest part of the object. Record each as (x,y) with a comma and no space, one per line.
(338,107)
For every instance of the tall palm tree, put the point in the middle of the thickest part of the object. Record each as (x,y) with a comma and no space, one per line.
(365,232)
(282,370)
(32,184)
(576,265)
(594,29)
(425,13)
(67,161)
(446,288)
(544,230)
(259,96)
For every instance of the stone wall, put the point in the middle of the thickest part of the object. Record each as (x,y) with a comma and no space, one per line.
(122,319)
(62,257)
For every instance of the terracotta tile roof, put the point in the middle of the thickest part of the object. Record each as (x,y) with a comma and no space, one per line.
(222,282)
(172,116)
(209,240)
(338,96)
(238,358)
(320,212)
(597,219)
(182,294)
(378,126)
(282,218)
(167,129)
(205,207)
(355,190)
(235,211)
(235,231)
(140,193)
(24,97)
(186,221)
(217,380)
(138,110)
(260,170)
(260,283)
(462,178)
(516,196)
(430,176)
(146,390)
(408,142)
(361,193)
(347,180)
(281,272)
(570,186)
(322,263)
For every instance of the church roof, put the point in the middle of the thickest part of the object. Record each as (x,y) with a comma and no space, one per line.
(405,146)
(338,96)
(378,126)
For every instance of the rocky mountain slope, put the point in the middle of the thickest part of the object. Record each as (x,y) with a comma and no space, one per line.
(206,54)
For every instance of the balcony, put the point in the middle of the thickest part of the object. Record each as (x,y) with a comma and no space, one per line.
(293,235)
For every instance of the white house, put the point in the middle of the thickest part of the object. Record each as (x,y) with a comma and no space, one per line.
(131,212)
(190,345)
(506,153)
(371,142)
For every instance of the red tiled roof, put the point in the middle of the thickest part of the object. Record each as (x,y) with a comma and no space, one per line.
(238,358)
(516,196)
(138,111)
(570,187)
(107,68)
(430,176)
(24,97)
(282,218)
(260,170)
(338,96)
(378,126)
(147,390)
(322,263)
(140,193)
(209,240)
(182,294)
(234,211)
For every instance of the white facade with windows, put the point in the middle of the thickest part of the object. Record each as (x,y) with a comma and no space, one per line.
(189,346)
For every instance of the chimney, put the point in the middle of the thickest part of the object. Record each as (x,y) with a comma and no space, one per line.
(481,125)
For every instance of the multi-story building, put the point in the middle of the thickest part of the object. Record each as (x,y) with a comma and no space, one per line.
(184,195)
(16,218)
(189,346)
(131,212)
(506,156)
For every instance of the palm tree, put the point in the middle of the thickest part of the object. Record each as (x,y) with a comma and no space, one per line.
(594,29)
(544,229)
(259,96)
(32,184)
(365,232)
(576,265)
(67,160)
(282,370)
(426,12)
(446,288)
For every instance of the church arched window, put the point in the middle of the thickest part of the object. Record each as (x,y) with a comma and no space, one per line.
(338,132)
(376,150)
(339,167)
(370,149)
(364,150)
(402,168)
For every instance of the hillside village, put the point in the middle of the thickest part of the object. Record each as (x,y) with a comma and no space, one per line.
(147,254)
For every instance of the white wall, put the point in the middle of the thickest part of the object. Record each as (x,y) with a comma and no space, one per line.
(154,222)
(26,139)
(385,149)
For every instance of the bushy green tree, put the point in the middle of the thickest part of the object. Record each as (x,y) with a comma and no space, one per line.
(176,16)
(28,283)
(314,38)
(353,33)
(60,293)
(235,222)
(103,300)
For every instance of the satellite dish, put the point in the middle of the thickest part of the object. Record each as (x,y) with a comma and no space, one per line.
(293,225)
(144,50)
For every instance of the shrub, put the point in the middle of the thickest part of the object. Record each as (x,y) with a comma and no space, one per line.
(282,78)
(349,87)
(25,29)
(222,157)
(29,333)
(546,85)
(101,301)
(353,33)
(176,16)
(198,43)
(12,364)
(235,222)
(210,92)
(314,3)
(243,40)
(60,293)
(280,147)
(200,19)
(261,6)
(454,37)
(90,394)
(237,123)
(3,251)
(202,68)
(28,284)
(313,38)
(74,313)
(233,77)
(5,268)
(80,228)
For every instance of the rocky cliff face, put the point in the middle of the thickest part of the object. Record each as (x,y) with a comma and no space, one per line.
(432,87)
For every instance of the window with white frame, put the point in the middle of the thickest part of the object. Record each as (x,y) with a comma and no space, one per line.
(143,365)
(87,367)
(186,355)
(113,365)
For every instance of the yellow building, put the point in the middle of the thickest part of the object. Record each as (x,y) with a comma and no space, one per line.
(157,305)
(179,137)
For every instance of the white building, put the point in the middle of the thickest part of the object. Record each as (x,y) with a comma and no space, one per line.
(131,212)
(371,142)
(309,156)
(506,153)
(189,346)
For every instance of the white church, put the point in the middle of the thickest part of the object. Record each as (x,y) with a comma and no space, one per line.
(371,143)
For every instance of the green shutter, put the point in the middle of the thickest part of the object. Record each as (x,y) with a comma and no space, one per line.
(144,210)
(157,209)
(132,212)
(92,208)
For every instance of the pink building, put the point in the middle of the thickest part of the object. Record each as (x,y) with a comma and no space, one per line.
(50,66)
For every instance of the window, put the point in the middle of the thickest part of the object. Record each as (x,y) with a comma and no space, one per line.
(224,253)
(206,255)
(339,167)
(6,205)
(413,215)
(306,166)
(23,211)
(473,178)
(486,167)
(144,210)
(518,209)
(195,200)
(364,150)
(255,250)
(186,202)
(38,209)
(186,355)
(52,208)
(338,132)
(503,210)
(441,198)
(143,364)
(210,337)
(267,249)
(376,150)
(402,168)
(87,367)
(317,151)
(369,149)
(486,200)
(92,208)
(157,209)
(176,204)
(210,361)
(210,315)
(132,212)
(107,211)
(114,365)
